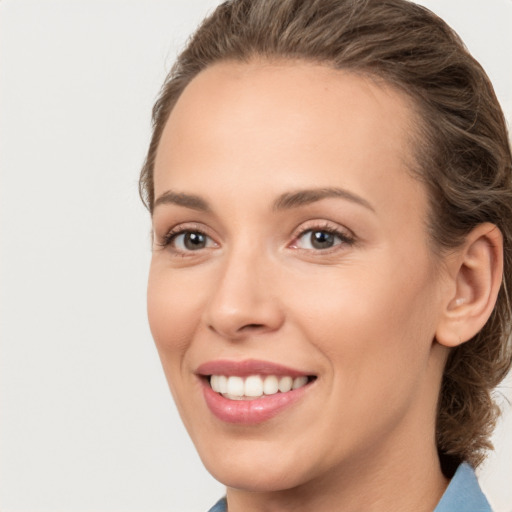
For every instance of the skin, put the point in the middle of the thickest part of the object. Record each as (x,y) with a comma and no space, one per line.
(362,316)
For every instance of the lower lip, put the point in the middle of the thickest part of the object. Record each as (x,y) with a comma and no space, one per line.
(250,412)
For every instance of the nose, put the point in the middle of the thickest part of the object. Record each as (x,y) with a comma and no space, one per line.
(244,302)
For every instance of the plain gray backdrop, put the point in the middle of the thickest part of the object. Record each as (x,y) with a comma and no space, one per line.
(87,422)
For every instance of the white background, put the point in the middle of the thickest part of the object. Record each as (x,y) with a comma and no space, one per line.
(87,422)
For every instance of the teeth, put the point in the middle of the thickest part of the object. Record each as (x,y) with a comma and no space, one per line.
(285,384)
(214,383)
(298,382)
(235,386)
(270,385)
(254,386)
(223,383)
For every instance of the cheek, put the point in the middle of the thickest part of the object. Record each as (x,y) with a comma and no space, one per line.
(370,324)
(376,342)
(173,313)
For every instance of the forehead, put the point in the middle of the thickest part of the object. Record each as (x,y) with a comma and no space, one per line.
(285,124)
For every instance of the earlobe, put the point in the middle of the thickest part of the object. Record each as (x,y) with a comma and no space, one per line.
(476,271)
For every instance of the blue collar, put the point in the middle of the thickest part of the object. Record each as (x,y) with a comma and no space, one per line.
(220,506)
(462,495)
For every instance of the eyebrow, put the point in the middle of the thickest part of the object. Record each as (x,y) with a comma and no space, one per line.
(304,197)
(186,200)
(285,201)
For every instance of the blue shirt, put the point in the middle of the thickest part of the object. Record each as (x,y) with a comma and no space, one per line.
(462,495)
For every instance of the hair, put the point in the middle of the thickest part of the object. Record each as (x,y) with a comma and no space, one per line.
(462,152)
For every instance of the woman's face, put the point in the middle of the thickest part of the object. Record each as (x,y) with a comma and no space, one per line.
(291,249)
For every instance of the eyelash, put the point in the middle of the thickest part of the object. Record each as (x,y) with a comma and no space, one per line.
(170,237)
(346,238)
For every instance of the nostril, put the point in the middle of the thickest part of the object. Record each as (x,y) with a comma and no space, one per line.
(246,327)
(251,327)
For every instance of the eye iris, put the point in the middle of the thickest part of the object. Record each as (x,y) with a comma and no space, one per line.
(322,240)
(194,241)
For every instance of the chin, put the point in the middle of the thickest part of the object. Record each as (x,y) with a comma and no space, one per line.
(263,470)
(252,479)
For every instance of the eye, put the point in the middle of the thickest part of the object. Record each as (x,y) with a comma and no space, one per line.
(318,240)
(190,241)
(187,240)
(321,239)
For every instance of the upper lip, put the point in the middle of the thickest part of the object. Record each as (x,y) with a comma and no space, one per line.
(246,368)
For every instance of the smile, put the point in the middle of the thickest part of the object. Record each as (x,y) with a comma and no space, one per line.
(254,386)
(251,392)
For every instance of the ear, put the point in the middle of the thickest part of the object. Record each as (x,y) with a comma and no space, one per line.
(475,273)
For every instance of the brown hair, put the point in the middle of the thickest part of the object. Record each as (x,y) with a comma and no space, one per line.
(462,151)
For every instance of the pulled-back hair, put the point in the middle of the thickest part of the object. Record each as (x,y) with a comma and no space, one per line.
(462,151)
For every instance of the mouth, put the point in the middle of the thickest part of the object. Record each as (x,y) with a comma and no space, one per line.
(250,392)
(234,387)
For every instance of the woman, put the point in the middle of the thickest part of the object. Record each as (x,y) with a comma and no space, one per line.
(330,189)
